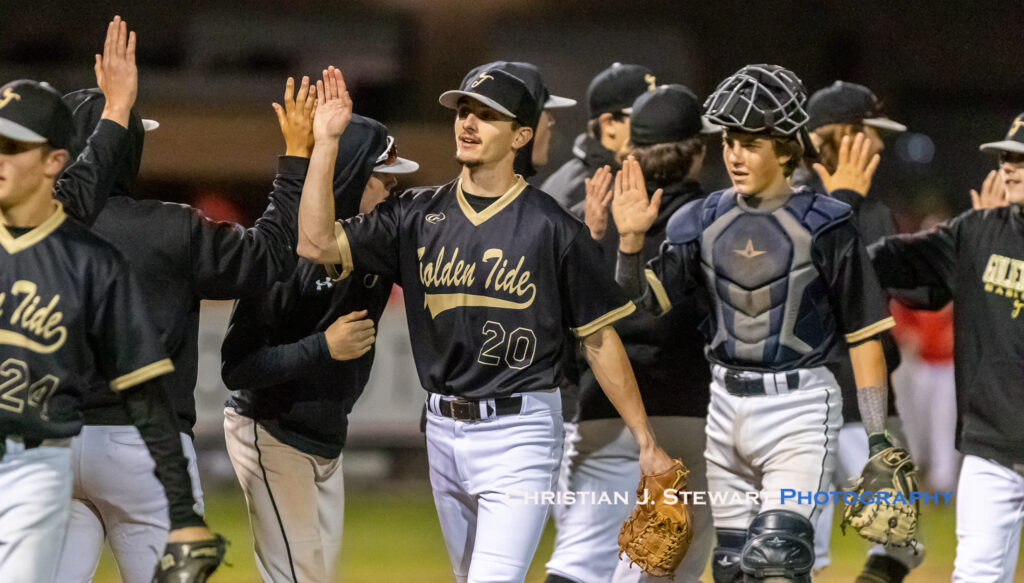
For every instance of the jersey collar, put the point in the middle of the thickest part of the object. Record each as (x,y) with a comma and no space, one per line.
(13,244)
(477,218)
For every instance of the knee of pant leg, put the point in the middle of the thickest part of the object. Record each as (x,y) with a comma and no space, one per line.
(725,559)
(780,543)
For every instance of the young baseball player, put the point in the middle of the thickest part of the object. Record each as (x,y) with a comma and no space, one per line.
(787,277)
(296,358)
(180,257)
(977,257)
(493,273)
(73,323)
(843,110)
(609,99)
(667,355)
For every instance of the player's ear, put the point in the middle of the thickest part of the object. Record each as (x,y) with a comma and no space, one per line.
(54,161)
(522,137)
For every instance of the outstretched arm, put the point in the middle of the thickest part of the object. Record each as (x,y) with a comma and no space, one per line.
(317,240)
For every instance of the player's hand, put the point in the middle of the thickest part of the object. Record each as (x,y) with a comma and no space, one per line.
(189,534)
(116,74)
(654,460)
(993,192)
(334,107)
(595,205)
(633,212)
(855,166)
(350,336)
(296,117)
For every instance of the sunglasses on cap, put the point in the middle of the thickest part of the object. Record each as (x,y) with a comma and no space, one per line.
(390,153)
(1011,157)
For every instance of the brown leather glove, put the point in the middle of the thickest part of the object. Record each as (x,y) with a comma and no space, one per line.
(657,534)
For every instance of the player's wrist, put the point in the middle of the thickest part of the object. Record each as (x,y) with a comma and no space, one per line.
(631,242)
(878,442)
(117,113)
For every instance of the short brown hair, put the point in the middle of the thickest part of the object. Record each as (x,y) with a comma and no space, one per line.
(669,162)
(788,146)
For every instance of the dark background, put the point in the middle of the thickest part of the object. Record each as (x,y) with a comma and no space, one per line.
(951,71)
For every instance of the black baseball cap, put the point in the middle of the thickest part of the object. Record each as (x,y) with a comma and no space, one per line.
(843,102)
(670,113)
(500,91)
(1014,141)
(31,111)
(529,74)
(617,87)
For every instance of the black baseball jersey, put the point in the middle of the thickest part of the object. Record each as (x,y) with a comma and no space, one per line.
(786,282)
(979,258)
(71,320)
(489,294)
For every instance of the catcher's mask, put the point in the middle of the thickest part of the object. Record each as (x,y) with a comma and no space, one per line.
(762,99)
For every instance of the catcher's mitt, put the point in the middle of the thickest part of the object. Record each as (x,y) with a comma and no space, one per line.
(886,519)
(190,562)
(657,534)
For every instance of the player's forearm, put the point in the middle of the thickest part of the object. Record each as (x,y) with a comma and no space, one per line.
(84,186)
(869,371)
(151,412)
(316,208)
(607,358)
(629,274)
(270,366)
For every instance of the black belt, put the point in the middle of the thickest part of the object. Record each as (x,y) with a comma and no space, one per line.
(750,384)
(466,410)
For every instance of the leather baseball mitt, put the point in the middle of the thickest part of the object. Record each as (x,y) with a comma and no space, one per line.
(884,511)
(657,534)
(190,562)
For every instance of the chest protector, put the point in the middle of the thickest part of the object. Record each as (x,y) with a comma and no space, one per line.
(772,307)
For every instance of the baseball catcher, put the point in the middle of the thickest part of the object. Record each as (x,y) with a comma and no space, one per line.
(190,562)
(657,534)
(890,518)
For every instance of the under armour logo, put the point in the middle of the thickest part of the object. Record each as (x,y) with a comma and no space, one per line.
(435,218)
(1017,124)
(483,77)
(652,82)
(749,252)
(9,94)
(728,561)
(325,282)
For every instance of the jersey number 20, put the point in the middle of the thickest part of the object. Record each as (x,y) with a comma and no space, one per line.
(518,350)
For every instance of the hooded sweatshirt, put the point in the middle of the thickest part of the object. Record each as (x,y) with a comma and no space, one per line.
(566,185)
(180,257)
(275,355)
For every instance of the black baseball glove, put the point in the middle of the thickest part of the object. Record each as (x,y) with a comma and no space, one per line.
(190,562)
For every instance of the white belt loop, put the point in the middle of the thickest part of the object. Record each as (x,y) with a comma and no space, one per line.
(769,384)
(781,383)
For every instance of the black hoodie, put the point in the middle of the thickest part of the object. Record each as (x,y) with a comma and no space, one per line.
(180,257)
(275,355)
(667,352)
(566,185)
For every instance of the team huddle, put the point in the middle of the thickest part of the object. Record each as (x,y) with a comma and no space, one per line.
(619,324)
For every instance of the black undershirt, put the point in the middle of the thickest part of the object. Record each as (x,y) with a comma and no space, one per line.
(18,231)
(479,203)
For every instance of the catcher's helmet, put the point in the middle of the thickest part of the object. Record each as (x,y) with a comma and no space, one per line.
(760,98)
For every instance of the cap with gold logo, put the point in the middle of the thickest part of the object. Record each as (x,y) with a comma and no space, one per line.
(1014,141)
(501,91)
(617,87)
(33,112)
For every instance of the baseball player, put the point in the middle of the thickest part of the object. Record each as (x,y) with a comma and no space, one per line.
(837,111)
(297,358)
(667,355)
(180,257)
(977,257)
(609,98)
(787,278)
(493,272)
(72,321)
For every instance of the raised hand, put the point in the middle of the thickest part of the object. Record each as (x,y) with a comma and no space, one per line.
(993,193)
(334,106)
(350,336)
(296,117)
(855,166)
(116,74)
(633,212)
(595,205)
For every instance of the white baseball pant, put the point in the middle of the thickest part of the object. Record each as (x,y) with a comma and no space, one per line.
(989,515)
(296,503)
(489,478)
(116,496)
